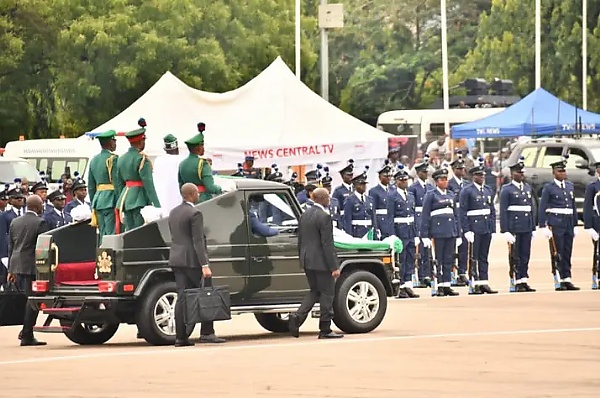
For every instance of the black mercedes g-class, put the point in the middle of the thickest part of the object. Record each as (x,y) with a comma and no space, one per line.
(91,291)
(540,153)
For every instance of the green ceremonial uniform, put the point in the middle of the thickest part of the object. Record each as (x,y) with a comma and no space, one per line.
(197,171)
(137,189)
(104,189)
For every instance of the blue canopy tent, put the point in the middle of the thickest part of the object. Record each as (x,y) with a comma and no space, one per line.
(539,113)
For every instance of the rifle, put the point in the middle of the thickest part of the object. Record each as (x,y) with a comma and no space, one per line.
(596,266)
(433,260)
(555,260)
(415,275)
(471,268)
(511,267)
(454,277)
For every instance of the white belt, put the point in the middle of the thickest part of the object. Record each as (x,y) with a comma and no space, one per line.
(480,212)
(364,223)
(381,211)
(560,211)
(445,210)
(404,220)
(419,209)
(519,208)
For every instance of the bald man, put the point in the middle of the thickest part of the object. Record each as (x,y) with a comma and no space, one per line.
(188,258)
(320,263)
(22,239)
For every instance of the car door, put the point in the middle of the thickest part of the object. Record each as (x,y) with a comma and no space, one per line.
(274,267)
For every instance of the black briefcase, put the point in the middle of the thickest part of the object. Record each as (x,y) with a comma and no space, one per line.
(207,303)
(12,305)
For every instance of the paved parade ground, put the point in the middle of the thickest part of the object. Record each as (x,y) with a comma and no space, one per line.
(543,344)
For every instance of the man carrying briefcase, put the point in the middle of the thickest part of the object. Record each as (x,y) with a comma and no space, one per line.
(189,259)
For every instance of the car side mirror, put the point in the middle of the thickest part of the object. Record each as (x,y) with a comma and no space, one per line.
(582,164)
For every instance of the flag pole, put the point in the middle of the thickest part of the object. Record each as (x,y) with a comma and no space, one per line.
(297,38)
(584,55)
(538,44)
(445,68)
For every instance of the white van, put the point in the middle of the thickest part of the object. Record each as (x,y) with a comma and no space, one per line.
(11,168)
(57,156)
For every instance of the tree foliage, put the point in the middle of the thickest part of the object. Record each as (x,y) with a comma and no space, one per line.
(505,47)
(67,66)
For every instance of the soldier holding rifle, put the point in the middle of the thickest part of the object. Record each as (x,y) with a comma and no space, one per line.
(441,230)
(517,225)
(557,218)
(478,219)
(591,220)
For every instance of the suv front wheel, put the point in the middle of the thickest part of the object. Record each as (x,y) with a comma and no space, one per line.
(360,302)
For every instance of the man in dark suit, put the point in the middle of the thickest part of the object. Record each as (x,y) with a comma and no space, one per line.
(22,239)
(318,258)
(189,259)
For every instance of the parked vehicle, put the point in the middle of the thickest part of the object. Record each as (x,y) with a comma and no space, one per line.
(540,153)
(11,168)
(91,291)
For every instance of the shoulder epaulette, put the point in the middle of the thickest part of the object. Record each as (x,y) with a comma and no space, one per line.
(200,165)
(144,158)
(109,166)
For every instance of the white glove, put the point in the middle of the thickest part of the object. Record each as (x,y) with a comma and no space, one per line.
(459,242)
(470,236)
(510,238)
(574,231)
(533,234)
(417,241)
(546,232)
(593,233)
(151,213)
(426,242)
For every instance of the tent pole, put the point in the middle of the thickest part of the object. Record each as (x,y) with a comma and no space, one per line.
(445,67)
(538,44)
(297,38)
(584,55)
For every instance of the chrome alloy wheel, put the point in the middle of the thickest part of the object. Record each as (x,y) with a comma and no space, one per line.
(164,313)
(362,302)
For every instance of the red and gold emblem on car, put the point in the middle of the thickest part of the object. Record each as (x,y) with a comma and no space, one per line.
(104,263)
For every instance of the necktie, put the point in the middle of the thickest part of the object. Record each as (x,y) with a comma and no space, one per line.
(19,212)
(62,216)
(362,198)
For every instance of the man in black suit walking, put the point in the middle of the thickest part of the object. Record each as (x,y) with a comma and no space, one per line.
(22,239)
(318,258)
(189,259)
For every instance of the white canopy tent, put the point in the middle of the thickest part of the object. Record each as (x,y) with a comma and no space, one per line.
(274,117)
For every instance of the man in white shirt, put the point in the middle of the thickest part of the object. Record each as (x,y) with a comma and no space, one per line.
(164,174)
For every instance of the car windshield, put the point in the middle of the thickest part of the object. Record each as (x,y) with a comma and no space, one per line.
(276,201)
(596,154)
(11,169)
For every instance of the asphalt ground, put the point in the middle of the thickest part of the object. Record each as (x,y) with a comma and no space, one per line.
(542,344)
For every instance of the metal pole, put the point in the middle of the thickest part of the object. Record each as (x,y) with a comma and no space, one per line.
(538,44)
(445,67)
(584,55)
(324,61)
(297,39)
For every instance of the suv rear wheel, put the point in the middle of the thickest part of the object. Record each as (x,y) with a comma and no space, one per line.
(360,302)
(156,317)
(89,334)
(276,323)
